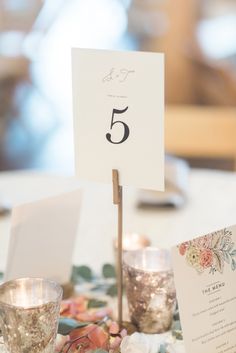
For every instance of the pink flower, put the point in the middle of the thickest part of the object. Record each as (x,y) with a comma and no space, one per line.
(206,258)
(183,247)
(203,242)
(114,328)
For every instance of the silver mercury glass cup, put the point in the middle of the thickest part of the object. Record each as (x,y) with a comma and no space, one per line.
(150,289)
(29,313)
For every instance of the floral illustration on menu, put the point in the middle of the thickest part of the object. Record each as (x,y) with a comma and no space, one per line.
(210,252)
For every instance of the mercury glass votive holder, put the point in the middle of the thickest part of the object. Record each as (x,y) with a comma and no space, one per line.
(29,313)
(150,289)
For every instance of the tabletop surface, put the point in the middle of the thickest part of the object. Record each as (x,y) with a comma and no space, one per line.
(210,206)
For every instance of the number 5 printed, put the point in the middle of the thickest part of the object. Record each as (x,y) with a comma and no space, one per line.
(126,128)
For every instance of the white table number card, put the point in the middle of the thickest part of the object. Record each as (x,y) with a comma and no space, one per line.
(118,100)
(205,278)
(42,238)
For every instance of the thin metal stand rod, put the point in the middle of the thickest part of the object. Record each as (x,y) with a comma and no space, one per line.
(118,200)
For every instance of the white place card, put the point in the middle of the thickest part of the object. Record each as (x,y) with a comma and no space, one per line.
(42,238)
(205,278)
(118,100)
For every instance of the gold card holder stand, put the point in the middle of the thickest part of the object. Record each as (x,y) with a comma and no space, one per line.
(117,200)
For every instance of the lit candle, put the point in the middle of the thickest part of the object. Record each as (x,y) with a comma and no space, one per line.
(29,314)
(134,241)
(150,289)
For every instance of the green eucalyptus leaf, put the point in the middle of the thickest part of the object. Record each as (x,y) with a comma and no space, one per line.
(66,325)
(112,290)
(230,247)
(176,325)
(233,253)
(83,272)
(99,287)
(233,265)
(226,257)
(99,350)
(94,303)
(108,271)
(176,316)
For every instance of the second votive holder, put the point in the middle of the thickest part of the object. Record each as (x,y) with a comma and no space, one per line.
(150,289)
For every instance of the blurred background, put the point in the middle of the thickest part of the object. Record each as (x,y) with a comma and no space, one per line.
(198,38)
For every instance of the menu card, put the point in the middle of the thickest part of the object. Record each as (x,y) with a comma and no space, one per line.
(205,278)
(118,100)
